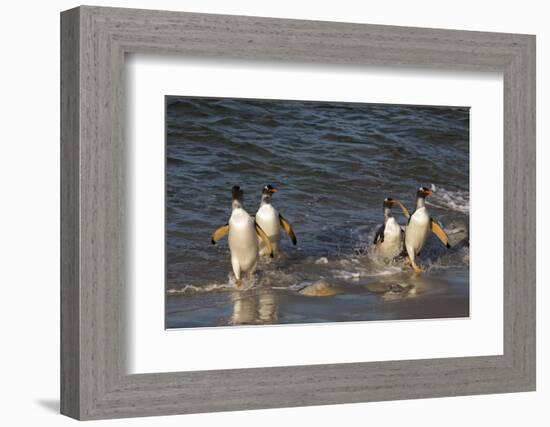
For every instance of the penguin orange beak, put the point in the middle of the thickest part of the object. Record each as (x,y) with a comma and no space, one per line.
(428,192)
(273,190)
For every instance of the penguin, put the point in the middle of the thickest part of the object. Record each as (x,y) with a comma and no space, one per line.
(419,226)
(388,240)
(243,233)
(271,221)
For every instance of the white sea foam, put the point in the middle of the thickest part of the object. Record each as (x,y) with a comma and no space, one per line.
(346,275)
(458,201)
(189,289)
(386,271)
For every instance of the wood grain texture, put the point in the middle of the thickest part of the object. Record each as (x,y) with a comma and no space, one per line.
(70,220)
(95,383)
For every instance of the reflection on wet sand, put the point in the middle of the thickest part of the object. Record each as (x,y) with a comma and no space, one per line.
(254,307)
(406,286)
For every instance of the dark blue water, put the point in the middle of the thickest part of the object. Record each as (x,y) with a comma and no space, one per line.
(333,164)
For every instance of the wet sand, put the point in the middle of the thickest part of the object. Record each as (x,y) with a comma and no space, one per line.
(432,295)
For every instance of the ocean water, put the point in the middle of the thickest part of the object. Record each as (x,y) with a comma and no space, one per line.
(333,163)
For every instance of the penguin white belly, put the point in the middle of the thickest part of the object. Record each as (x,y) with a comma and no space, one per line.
(267,217)
(391,246)
(243,242)
(417,230)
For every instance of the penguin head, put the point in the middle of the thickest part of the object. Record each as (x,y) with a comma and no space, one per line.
(388,202)
(269,189)
(237,193)
(237,196)
(423,192)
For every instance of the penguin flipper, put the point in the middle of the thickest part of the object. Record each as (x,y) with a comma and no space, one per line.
(403,209)
(219,233)
(261,234)
(379,236)
(288,229)
(438,231)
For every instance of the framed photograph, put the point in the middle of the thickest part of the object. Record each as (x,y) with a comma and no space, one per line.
(262,213)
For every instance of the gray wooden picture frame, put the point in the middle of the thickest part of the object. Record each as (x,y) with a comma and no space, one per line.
(94,381)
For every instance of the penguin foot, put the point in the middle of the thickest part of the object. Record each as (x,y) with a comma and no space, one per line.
(238,282)
(417,269)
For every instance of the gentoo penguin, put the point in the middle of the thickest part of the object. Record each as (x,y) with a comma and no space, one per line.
(419,226)
(243,238)
(272,221)
(389,237)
